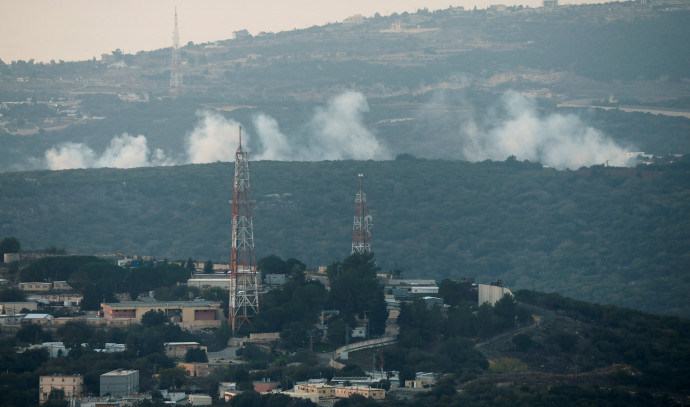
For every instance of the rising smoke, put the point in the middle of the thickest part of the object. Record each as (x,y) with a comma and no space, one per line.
(557,140)
(124,151)
(334,132)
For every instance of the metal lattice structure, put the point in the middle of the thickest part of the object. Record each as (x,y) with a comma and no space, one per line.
(361,229)
(244,285)
(175,75)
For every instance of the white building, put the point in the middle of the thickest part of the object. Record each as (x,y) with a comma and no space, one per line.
(490,293)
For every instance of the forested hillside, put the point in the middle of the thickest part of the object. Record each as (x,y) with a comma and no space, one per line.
(602,234)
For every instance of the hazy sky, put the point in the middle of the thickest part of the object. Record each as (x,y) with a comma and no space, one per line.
(81,29)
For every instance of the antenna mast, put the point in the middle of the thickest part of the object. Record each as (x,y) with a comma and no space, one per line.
(175,75)
(244,292)
(361,229)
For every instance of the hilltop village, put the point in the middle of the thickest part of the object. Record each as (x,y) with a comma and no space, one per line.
(58,318)
(121,331)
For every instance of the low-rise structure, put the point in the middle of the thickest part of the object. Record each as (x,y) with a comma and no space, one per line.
(9,308)
(492,293)
(190,315)
(195,369)
(38,286)
(347,391)
(200,400)
(264,386)
(38,319)
(178,350)
(119,383)
(421,379)
(72,385)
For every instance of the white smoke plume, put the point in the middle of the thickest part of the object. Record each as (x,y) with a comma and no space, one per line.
(338,131)
(556,140)
(334,132)
(275,145)
(124,151)
(214,139)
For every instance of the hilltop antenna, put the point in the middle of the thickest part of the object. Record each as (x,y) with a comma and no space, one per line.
(361,229)
(175,75)
(244,292)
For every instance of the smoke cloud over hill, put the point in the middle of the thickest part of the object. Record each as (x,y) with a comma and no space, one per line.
(515,127)
(335,131)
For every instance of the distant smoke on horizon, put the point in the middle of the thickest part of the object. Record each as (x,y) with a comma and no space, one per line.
(124,151)
(334,132)
(556,140)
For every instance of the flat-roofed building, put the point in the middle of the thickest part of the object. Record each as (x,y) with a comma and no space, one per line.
(195,369)
(38,319)
(492,293)
(178,350)
(36,286)
(120,383)
(347,391)
(72,385)
(323,390)
(190,315)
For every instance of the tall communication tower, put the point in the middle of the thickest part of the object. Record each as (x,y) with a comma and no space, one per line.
(361,229)
(175,75)
(244,285)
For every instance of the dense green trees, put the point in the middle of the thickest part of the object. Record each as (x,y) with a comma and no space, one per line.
(9,244)
(293,308)
(196,355)
(603,234)
(357,293)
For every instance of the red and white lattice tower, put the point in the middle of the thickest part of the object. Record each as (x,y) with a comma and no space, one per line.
(175,75)
(244,285)
(361,229)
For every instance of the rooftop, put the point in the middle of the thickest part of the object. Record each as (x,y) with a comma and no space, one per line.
(167,304)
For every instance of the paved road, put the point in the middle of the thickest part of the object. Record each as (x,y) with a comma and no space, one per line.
(225,354)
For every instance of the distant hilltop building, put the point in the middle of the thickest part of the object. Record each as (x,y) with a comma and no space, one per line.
(492,293)
(550,3)
(354,20)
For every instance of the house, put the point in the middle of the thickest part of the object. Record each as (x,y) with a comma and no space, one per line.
(264,386)
(72,385)
(9,308)
(421,379)
(369,392)
(38,319)
(36,286)
(195,369)
(200,400)
(178,350)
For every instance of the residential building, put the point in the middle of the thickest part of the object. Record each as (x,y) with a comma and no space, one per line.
(200,400)
(120,383)
(195,369)
(347,391)
(190,315)
(72,385)
(36,286)
(9,308)
(38,319)
(178,350)
(264,386)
